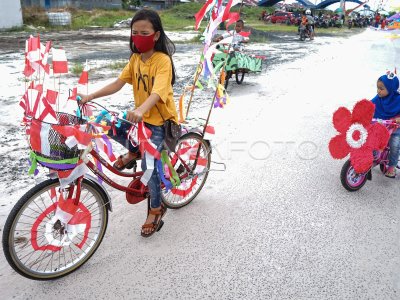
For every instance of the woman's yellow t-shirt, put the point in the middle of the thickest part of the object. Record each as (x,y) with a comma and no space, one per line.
(152,76)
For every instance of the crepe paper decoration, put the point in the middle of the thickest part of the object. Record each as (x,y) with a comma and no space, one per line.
(233,17)
(199,85)
(167,184)
(80,224)
(66,177)
(145,144)
(200,14)
(184,192)
(104,145)
(357,135)
(66,208)
(39,137)
(60,63)
(182,113)
(84,79)
(174,177)
(68,163)
(75,135)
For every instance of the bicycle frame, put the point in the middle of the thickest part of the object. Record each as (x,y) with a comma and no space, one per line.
(136,175)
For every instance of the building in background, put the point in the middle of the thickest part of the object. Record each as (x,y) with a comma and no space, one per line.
(85,4)
(10,14)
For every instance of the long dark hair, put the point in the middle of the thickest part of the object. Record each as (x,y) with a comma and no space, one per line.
(163,44)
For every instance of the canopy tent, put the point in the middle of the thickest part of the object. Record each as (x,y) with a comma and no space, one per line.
(394,17)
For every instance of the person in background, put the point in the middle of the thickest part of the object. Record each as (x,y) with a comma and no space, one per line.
(238,39)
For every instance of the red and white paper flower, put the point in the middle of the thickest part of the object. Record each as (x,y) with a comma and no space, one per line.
(357,135)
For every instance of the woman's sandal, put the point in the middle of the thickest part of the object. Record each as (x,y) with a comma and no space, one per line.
(157,223)
(128,165)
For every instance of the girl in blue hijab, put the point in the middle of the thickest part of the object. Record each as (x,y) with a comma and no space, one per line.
(387,106)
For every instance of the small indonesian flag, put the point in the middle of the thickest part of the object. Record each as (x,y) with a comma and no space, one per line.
(66,177)
(39,137)
(51,96)
(66,209)
(75,136)
(84,79)
(48,110)
(32,49)
(60,63)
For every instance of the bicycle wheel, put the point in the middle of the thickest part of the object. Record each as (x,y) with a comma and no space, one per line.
(192,181)
(351,180)
(239,76)
(40,247)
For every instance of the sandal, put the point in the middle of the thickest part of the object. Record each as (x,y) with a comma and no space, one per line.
(157,223)
(120,162)
(391,172)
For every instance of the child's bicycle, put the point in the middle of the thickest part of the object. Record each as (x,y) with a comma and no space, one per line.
(353,181)
(41,244)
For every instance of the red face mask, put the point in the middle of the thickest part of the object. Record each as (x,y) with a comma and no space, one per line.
(143,43)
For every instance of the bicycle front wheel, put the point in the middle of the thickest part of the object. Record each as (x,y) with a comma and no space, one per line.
(192,178)
(40,247)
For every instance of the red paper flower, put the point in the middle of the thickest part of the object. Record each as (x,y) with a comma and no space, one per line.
(357,135)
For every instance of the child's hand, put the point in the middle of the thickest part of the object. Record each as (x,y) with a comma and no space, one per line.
(85,98)
(134,116)
(397,120)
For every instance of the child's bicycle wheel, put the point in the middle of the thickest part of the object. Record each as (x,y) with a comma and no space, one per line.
(40,247)
(351,180)
(192,180)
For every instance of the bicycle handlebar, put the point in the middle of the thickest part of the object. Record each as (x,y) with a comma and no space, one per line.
(105,113)
(385,122)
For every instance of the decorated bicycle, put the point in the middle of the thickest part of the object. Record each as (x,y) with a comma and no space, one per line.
(230,56)
(58,224)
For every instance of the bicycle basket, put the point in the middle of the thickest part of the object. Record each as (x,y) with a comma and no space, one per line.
(48,147)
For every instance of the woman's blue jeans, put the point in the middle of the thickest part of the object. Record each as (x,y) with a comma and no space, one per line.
(157,137)
(394,144)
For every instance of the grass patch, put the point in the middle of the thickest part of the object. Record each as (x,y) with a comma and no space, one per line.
(178,18)
(117,65)
(77,68)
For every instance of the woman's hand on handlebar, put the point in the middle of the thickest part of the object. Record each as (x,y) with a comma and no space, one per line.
(134,116)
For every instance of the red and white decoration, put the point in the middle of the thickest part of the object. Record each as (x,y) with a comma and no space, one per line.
(357,135)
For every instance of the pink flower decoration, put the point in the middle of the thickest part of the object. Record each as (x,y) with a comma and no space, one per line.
(357,135)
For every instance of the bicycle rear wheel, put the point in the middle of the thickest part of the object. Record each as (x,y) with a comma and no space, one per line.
(40,247)
(192,181)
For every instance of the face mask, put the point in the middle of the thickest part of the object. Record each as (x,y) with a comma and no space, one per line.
(143,43)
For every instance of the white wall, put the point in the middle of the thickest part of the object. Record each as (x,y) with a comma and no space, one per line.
(10,13)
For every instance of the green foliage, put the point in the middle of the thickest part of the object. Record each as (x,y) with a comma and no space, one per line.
(77,68)
(99,17)
(117,65)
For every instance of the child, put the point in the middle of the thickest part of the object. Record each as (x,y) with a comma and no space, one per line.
(237,38)
(387,106)
(151,73)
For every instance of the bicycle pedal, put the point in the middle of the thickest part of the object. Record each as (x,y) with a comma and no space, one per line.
(160,226)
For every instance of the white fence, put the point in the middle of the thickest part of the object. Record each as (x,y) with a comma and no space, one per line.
(10,14)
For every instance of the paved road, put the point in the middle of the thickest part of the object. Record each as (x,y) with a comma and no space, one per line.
(277,224)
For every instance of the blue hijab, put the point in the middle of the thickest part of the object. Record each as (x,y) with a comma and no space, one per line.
(389,106)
